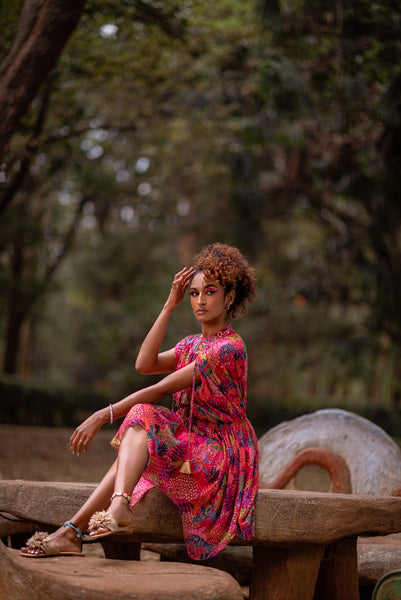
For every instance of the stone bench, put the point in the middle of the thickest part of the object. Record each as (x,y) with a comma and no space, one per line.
(376,557)
(100,579)
(305,543)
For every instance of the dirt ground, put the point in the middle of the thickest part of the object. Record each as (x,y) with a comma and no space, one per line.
(43,454)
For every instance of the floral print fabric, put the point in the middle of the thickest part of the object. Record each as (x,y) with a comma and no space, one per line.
(216,501)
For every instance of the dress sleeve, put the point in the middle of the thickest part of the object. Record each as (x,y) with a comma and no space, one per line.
(181,352)
(178,351)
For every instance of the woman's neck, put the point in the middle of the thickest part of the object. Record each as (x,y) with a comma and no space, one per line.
(209,329)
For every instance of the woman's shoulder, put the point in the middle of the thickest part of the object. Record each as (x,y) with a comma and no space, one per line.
(229,344)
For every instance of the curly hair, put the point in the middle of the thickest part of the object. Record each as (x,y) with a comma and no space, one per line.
(231,269)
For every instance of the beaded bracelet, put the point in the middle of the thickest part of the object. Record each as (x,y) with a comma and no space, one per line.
(111,414)
(123,494)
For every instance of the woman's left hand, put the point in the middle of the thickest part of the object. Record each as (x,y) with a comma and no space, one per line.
(85,432)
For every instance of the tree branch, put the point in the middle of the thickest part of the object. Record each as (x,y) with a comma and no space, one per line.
(67,242)
(53,267)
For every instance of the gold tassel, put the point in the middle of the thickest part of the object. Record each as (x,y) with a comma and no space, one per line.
(186,468)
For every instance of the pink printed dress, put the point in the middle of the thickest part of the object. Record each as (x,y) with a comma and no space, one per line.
(216,501)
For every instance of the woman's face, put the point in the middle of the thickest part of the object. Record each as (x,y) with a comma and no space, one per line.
(207,300)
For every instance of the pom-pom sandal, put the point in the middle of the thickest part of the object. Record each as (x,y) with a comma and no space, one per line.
(39,545)
(104,520)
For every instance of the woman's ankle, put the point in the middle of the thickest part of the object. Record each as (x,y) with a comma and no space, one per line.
(72,532)
(120,503)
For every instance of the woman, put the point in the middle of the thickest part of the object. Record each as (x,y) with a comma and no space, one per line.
(202,453)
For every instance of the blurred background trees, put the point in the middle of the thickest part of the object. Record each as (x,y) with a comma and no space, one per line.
(274,126)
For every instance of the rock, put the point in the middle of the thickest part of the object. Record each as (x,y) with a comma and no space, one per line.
(297,535)
(236,560)
(10,526)
(282,516)
(378,557)
(75,578)
(372,456)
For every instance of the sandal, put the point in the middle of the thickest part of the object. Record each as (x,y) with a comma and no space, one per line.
(41,547)
(104,520)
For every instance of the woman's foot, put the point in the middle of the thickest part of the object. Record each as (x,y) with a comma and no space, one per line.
(114,520)
(67,540)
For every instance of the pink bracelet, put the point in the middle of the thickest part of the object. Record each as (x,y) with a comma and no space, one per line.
(111,414)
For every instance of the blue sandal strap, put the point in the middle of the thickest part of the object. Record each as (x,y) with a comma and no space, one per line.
(79,532)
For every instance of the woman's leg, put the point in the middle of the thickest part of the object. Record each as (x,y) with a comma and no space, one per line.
(132,459)
(122,476)
(66,537)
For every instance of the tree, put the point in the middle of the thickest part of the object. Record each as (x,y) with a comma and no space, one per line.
(166,127)
(47,159)
(44,29)
(328,128)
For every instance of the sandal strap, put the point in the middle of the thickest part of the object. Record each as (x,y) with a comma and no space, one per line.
(123,494)
(78,531)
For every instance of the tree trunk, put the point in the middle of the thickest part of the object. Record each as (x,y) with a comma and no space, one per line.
(12,342)
(24,364)
(15,313)
(44,29)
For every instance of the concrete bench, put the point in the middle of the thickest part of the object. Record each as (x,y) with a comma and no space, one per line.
(305,543)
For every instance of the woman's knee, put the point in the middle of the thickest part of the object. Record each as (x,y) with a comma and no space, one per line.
(135,434)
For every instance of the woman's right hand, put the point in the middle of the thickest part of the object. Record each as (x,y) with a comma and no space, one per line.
(179,286)
(85,432)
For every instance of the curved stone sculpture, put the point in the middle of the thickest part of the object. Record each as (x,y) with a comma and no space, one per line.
(372,456)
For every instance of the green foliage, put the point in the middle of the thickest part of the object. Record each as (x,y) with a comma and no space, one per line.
(10,11)
(33,403)
(272,126)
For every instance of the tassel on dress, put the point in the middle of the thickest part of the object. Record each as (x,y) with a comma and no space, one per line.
(186,468)
(186,465)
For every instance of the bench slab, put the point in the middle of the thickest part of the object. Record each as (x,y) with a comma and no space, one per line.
(74,578)
(282,516)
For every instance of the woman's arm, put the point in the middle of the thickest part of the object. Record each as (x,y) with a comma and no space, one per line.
(170,384)
(150,360)
(154,393)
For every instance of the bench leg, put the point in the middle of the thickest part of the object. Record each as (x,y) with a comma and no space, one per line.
(121,550)
(338,576)
(285,573)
